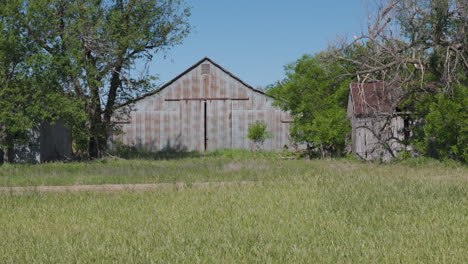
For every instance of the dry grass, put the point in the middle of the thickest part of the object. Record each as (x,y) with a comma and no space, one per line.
(319,211)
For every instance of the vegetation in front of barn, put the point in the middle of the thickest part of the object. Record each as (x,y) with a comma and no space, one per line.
(147,167)
(223,165)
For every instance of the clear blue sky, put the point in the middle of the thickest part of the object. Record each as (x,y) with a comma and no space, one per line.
(254,39)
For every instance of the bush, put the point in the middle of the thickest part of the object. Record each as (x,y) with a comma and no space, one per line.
(257,132)
(443,133)
(315,93)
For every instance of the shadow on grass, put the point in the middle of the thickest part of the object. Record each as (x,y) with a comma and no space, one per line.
(174,154)
(160,155)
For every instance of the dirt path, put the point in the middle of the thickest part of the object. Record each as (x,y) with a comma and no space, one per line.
(117,187)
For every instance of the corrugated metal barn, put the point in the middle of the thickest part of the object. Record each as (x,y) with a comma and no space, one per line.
(377,128)
(204,108)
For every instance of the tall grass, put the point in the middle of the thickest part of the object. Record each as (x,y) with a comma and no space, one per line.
(360,219)
(319,211)
(227,165)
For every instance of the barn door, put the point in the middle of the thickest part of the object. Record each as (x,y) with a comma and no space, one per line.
(192,119)
(217,124)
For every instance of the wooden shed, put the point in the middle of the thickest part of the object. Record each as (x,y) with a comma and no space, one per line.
(47,142)
(377,128)
(204,108)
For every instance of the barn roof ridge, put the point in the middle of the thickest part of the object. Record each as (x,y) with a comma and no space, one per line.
(185,72)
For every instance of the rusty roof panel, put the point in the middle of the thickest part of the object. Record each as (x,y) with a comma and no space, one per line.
(372,98)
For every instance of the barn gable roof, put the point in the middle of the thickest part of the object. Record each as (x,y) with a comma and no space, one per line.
(371,98)
(184,73)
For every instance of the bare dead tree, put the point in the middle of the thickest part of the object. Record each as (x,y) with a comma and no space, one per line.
(408,40)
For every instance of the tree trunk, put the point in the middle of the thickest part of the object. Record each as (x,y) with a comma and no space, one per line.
(115,83)
(2,142)
(2,159)
(10,149)
(96,140)
(94,150)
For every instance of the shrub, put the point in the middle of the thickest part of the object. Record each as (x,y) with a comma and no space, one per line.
(257,132)
(442,134)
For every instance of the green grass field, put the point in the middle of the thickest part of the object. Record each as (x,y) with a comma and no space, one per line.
(297,211)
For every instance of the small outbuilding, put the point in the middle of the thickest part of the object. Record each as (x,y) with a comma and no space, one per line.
(377,127)
(204,108)
(48,142)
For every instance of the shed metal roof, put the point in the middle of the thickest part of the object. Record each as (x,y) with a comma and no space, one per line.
(372,98)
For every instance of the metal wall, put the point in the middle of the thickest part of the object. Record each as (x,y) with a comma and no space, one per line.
(55,141)
(47,142)
(201,110)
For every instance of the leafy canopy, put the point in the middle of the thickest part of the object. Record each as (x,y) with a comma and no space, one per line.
(443,129)
(89,49)
(30,93)
(315,93)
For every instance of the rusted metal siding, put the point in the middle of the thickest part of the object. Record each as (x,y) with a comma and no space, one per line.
(202,112)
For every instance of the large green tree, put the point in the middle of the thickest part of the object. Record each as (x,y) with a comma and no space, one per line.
(29,93)
(92,47)
(315,92)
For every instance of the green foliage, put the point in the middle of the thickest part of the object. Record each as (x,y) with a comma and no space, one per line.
(30,90)
(443,131)
(316,94)
(257,132)
(330,129)
(419,48)
(88,49)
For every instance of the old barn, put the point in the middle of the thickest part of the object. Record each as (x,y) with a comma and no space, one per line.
(377,127)
(204,108)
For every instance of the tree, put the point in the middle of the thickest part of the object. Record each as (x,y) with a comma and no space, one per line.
(94,45)
(257,132)
(29,94)
(420,48)
(11,55)
(443,132)
(412,42)
(315,93)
